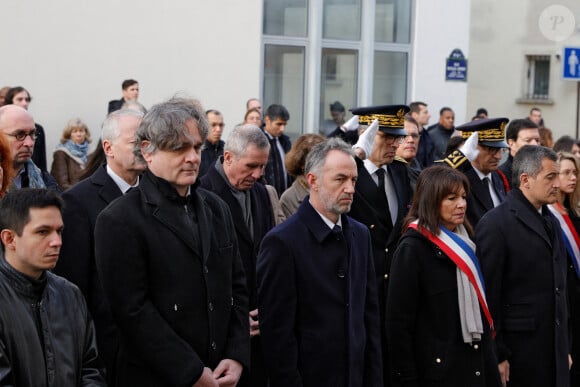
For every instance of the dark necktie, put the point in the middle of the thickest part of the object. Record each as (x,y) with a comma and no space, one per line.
(486,195)
(24,179)
(337,232)
(279,176)
(381,176)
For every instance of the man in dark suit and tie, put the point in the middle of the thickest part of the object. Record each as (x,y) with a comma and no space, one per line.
(235,178)
(480,163)
(319,317)
(524,264)
(83,203)
(382,196)
(275,120)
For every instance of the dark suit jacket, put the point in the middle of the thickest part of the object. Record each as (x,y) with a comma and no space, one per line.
(115,104)
(261,217)
(423,322)
(271,170)
(525,277)
(83,203)
(507,170)
(179,300)
(209,154)
(476,205)
(319,317)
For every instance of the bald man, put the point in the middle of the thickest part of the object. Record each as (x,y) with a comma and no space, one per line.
(18,126)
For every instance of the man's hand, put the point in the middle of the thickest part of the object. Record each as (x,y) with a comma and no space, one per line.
(504,370)
(228,372)
(254,323)
(207,379)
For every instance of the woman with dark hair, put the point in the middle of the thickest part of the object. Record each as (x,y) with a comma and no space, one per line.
(438,323)
(5,165)
(21,97)
(567,212)
(70,156)
(295,161)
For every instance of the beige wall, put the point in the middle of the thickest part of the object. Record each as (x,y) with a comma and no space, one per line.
(502,34)
(73,55)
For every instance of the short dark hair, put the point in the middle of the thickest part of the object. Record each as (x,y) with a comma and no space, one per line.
(15,206)
(213,111)
(128,83)
(275,111)
(516,125)
(9,99)
(564,144)
(337,107)
(481,111)
(433,185)
(535,109)
(416,106)
(529,160)
(445,109)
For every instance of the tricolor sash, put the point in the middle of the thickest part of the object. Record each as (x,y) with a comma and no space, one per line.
(464,257)
(571,238)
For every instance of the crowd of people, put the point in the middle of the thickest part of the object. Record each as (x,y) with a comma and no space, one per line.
(380,252)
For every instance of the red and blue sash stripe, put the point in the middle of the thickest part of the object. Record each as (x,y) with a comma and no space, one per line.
(569,233)
(464,257)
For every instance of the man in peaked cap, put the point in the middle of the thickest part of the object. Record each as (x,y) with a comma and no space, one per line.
(480,163)
(382,196)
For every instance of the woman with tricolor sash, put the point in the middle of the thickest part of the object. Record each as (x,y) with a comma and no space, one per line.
(439,327)
(567,212)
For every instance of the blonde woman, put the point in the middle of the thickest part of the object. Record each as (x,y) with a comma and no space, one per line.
(70,156)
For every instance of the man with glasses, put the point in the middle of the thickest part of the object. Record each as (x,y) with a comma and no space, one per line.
(480,163)
(407,151)
(18,126)
(382,195)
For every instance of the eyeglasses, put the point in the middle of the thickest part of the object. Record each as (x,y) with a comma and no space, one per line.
(394,139)
(21,135)
(492,150)
(414,136)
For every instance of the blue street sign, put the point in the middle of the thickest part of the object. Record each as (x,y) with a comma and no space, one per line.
(571,63)
(456,66)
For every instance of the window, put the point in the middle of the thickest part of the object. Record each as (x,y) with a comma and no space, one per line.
(317,52)
(538,77)
(284,82)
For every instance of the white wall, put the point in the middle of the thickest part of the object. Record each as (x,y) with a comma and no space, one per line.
(502,34)
(440,27)
(72,55)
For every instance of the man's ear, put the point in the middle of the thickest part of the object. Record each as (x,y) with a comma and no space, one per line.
(146,156)
(7,237)
(228,157)
(312,181)
(524,181)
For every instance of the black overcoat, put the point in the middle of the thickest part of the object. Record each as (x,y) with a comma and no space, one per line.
(180,302)
(525,275)
(423,324)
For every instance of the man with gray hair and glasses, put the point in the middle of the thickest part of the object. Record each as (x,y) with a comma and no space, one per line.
(235,178)
(167,255)
(18,126)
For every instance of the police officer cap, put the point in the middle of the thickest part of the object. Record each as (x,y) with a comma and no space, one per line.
(391,117)
(491,131)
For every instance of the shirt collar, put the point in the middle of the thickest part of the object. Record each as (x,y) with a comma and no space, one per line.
(121,183)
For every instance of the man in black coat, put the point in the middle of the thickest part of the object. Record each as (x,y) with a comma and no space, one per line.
(275,121)
(167,255)
(235,178)
(523,260)
(479,160)
(381,206)
(319,316)
(83,203)
(213,146)
(519,132)
(130,89)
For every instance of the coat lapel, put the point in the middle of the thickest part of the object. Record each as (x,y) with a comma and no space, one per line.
(528,218)
(108,189)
